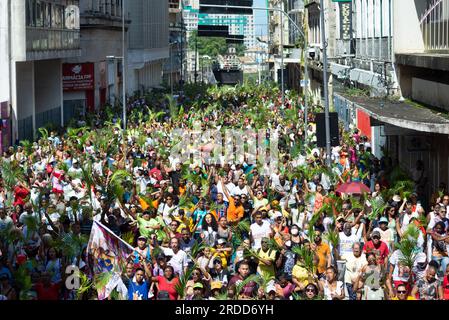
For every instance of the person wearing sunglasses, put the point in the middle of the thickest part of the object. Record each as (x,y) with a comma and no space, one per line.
(311,292)
(402,293)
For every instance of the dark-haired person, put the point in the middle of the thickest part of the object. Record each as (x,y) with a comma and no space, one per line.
(138,288)
(440,240)
(331,287)
(167,283)
(370,284)
(311,292)
(429,287)
(209,230)
(402,293)
(250,289)
(378,247)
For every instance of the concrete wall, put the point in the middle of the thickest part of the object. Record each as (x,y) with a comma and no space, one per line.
(4,52)
(431,92)
(406,27)
(48,85)
(18,22)
(25,89)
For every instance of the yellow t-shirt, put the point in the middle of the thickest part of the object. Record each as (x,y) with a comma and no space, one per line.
(300,274)
(408,298)
(262,268)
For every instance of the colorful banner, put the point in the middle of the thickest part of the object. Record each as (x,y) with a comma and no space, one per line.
(109,255)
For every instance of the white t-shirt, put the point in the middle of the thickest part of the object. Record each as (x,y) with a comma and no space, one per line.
(230,186)
(353,266)
(237,191)
(406,220)
(259,232)
(345,243)
(400,273)
(166,211)
(178,261)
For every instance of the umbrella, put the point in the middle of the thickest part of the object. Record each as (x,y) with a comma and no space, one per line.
(353,187)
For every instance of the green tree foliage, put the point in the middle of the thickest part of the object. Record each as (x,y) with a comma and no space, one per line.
(212,46)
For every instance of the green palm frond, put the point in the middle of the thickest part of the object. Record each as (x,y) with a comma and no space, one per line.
(101,280)
(11,173)
(332,237)
(27,146)
(181,286)
(378,208)
(408,246)
(197,247)
(128,237)
(44,133)
(85,285)
(273,245)
(23,281)
(242,284)
(307,258)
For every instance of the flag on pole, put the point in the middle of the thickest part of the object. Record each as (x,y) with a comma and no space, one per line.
(108,255)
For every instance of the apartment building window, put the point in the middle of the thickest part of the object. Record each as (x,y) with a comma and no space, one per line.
(57,16)
(47,14)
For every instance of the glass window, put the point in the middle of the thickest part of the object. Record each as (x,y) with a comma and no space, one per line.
(47,16)
(39,14)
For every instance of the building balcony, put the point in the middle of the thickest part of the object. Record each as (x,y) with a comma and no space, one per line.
(435,27)
(373,48)
(46,43)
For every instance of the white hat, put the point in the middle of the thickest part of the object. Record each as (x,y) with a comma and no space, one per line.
(75,161)
(397,198)
(277,214)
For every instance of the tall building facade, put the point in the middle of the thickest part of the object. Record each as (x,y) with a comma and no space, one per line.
(40,35)
(388,77)
(177,42)
(148,43)
(101,48)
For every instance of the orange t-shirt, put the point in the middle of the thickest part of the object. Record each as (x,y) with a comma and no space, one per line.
(234,212)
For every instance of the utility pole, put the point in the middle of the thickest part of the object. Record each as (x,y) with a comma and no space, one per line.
(325,82)
(124,64)
(196,57)
(282,57)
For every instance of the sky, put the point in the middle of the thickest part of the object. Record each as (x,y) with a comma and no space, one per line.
(260,18)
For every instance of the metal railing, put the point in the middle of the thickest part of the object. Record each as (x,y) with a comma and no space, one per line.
(42,39)
(435,26)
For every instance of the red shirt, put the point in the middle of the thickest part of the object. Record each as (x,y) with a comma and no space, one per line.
(170,287)
(19,195)
(381,252)
(47,293)
(446,288)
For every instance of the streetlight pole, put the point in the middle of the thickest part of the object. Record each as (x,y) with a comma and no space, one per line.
(124,66)
(282,57)
(326,96)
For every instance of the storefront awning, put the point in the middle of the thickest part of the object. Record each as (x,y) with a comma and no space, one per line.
(403,114)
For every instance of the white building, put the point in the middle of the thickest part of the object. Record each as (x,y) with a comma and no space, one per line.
(4,75)
(41,35)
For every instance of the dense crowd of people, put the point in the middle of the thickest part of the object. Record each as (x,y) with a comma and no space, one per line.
(220,232)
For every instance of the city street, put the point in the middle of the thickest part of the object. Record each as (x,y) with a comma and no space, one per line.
(224,150)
